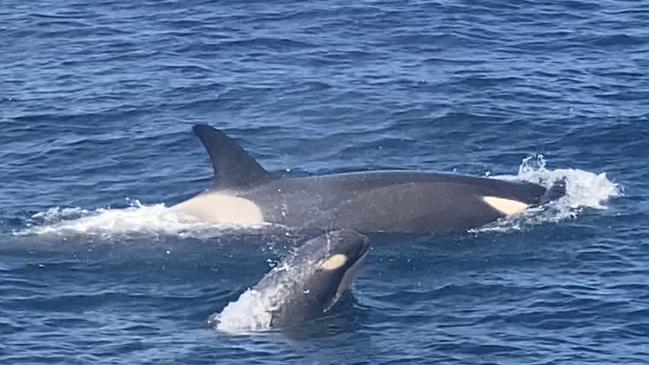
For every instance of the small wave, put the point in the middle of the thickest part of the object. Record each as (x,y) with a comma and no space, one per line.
(584,189)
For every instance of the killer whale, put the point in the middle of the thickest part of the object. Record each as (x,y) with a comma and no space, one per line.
(245,194)
(304,285)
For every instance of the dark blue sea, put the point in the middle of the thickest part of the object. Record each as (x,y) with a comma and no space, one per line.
(97,101)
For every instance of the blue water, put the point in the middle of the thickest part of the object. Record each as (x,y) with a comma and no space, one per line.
(97,101)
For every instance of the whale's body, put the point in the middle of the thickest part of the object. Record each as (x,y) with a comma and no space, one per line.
(381,201)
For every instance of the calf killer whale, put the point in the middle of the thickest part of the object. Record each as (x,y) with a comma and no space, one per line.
(245,194)
(303,286)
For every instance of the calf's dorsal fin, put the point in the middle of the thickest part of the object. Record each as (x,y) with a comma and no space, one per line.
(233,167)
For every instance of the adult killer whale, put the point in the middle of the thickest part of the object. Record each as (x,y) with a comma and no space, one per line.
(245,194)
(304,285)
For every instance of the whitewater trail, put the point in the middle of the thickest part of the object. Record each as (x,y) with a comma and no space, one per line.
(155,219)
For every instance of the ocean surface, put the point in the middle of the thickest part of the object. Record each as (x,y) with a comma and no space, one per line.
(97,100)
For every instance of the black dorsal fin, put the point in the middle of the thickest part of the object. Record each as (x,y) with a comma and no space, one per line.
(233,167)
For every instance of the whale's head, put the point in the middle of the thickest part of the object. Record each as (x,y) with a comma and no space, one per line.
(315,277)
(343,252)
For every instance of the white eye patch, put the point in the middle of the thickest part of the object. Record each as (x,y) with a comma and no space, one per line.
(505,206)
(334,262)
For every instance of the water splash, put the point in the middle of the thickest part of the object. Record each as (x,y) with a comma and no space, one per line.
(584,189)
(253,310)
(138,218)
(248,313)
